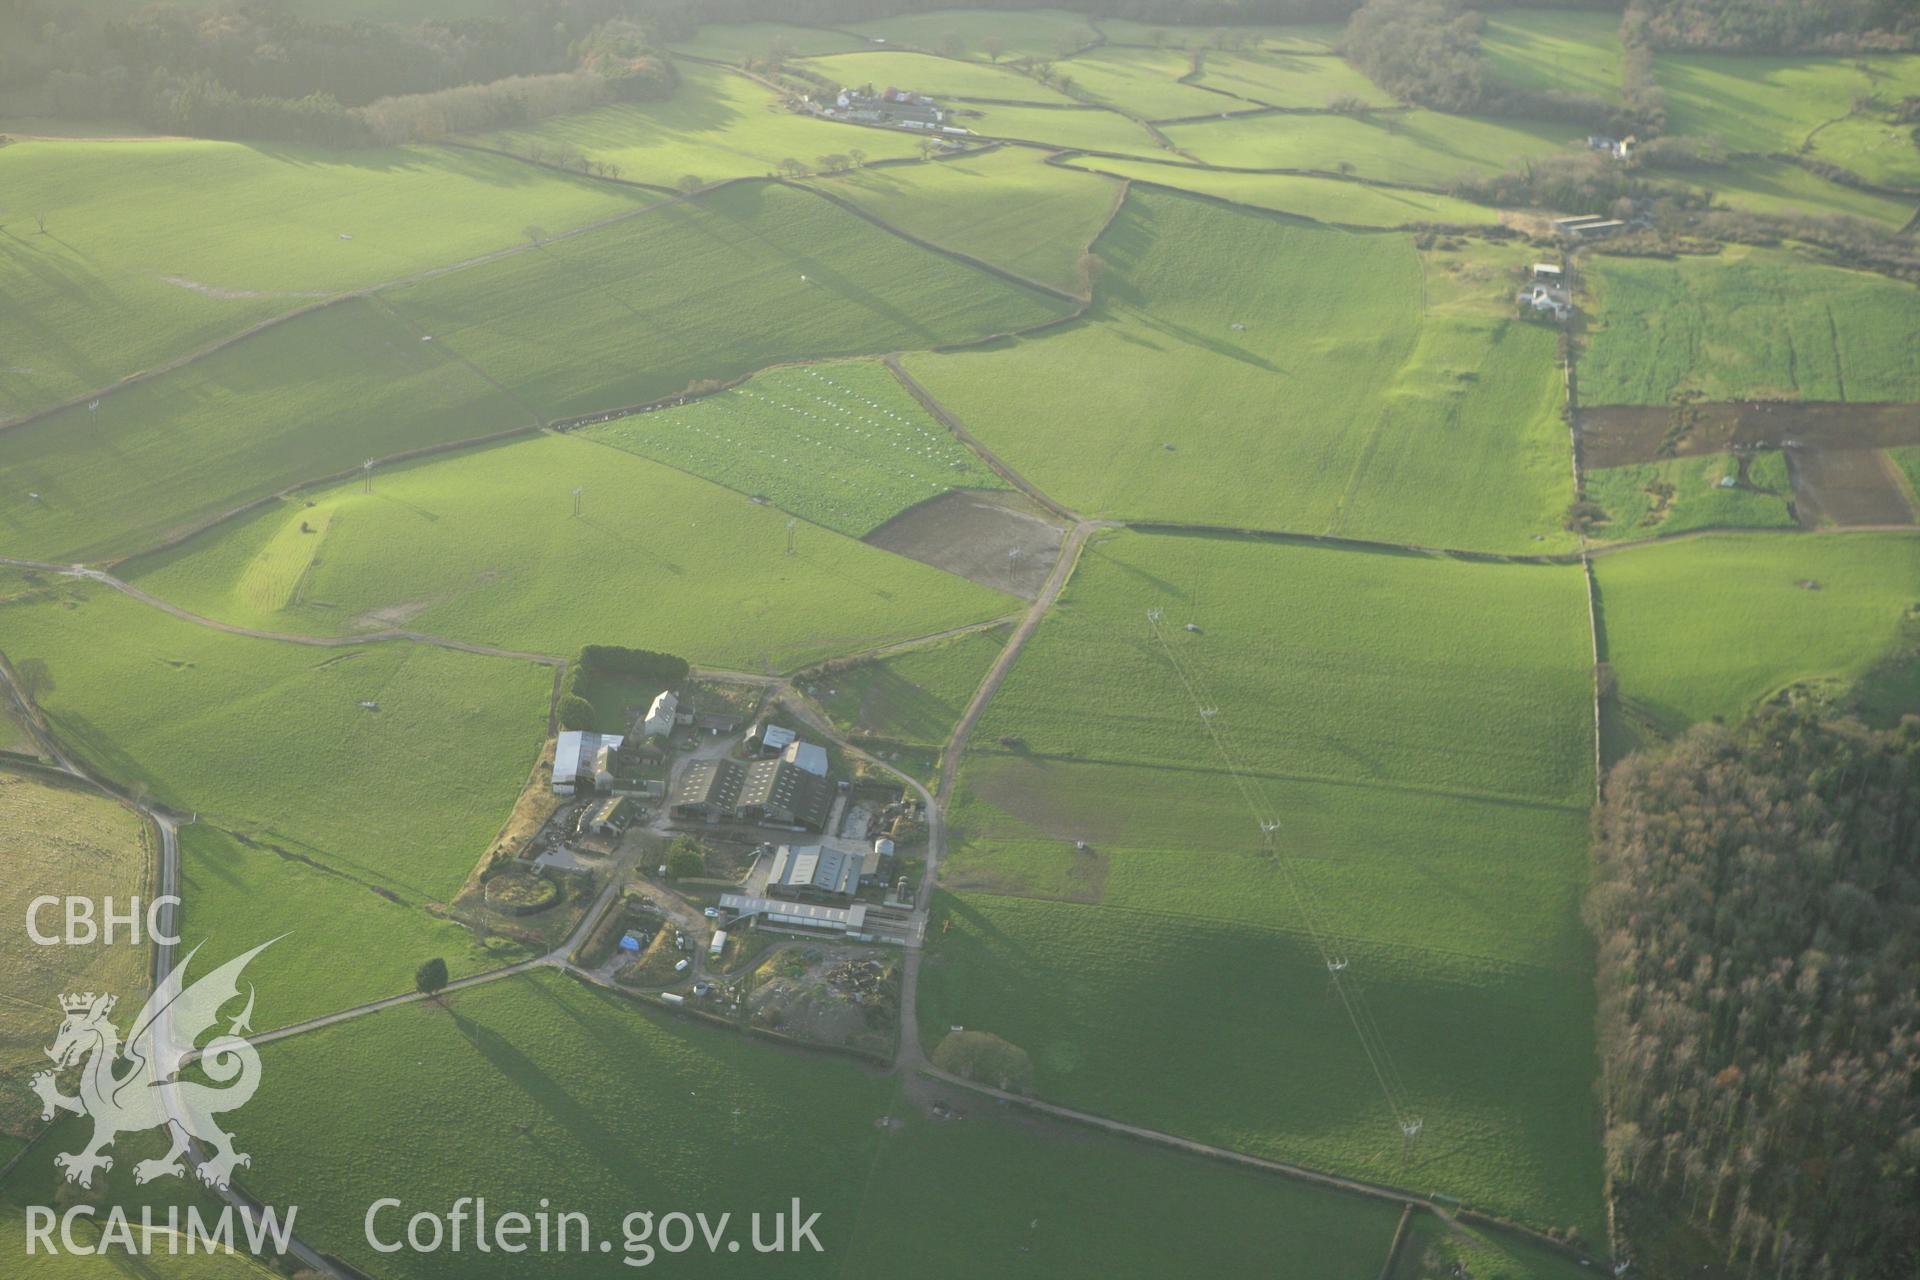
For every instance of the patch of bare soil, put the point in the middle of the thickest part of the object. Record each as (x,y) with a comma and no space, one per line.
(1846,488)
(997,538)
(388,617)
(843,996)
(1622,435)
(239,295)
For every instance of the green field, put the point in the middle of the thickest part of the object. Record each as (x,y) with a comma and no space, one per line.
(483,547)
(1085,128)
(36,1181)
(1555,51)
(1774,104)
(1141,82)
(1316,696)
(940,78)
(1287,80)
(309,398)
(1485,1255)
(718,124)
(1420,147)
(999,1194)
(269,738)
(1777,187)
(238,895)
(1421,729)
(1304,37)
(740,279)
(58,837)
(1006,206)
(1034,33)
(1683,494)
(1231,1034)
(603,1109)
(736,42)
(842,444)
(1297,379)
(1748,323)
(915,696)
(1876,147)
(1333,200)
(1708,628)
(218,236)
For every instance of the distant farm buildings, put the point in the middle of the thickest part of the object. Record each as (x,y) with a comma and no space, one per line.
(897,108)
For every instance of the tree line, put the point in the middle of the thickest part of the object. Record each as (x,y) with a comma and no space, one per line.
(252,70)
(1756,904)
(1427,52)
(1761,26)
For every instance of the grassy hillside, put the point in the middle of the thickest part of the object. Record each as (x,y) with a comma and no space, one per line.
(156,247)
(1111,1004)
(1421,147)
(1421,729)
(718,124)
(483,546)
(1756,103)
(1286,80)
(1007,207)
(1709,627)
(1248,370)
(738,41)
(1332,665)
(1566,51)
(315,396)
(239,893)
(1322,199)
(840,444)
(270,738)
(1141,82)
(1299,37)
(1041,33)
(999,1192)
(1090,128)
(1748,323)
(732,282)
(916,696)
(611,1108)
(1778,187)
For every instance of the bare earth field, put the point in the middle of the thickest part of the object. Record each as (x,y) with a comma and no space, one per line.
(976,533)
(1620,435)
(1848,488)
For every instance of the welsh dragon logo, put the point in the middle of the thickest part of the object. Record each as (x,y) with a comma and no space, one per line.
(134,1086)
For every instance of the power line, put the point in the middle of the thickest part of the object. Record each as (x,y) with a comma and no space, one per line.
(1366,1026)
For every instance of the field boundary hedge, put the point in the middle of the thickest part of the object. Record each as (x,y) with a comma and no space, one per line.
(1446,228)
(1410,1200)
(965,259)
(1062,156)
